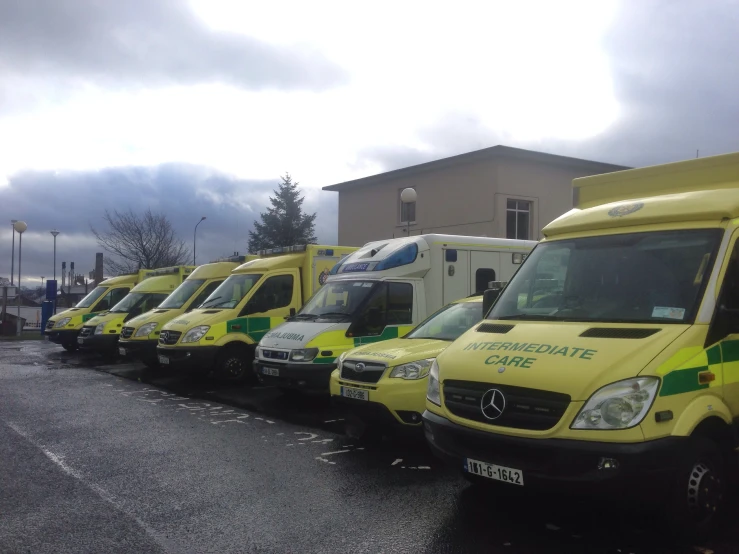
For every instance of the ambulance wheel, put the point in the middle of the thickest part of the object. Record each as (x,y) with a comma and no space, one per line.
(699,490)
(71,346)
(152,364)
(234,364)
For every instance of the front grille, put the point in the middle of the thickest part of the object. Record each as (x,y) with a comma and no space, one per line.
(169,337)
(525,408)
(368,372)
(127,332)
(87,331)
(50,324)
(275,354)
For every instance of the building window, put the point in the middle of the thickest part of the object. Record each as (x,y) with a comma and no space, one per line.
(407,211)
(518,219)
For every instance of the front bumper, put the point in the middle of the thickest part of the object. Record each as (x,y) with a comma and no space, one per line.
(98,342)
(314,377)
(199,359)
(138,349)
(560,464)
(391,401)
(62,336)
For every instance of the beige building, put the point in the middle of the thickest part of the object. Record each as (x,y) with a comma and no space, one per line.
(495,192)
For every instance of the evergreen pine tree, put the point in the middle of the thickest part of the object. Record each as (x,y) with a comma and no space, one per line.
(284,224)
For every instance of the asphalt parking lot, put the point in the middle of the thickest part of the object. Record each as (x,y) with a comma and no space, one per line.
(100,456)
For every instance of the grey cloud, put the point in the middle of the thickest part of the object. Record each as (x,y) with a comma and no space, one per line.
(144,42)
(72,201)
(675,76)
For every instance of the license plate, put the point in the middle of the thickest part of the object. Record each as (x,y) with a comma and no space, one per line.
(356,394)
(495,472)
(80,340)
(273,371)
(122,351)
(163,360)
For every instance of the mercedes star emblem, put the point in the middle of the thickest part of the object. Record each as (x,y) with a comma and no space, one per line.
(359,368)
(492,404)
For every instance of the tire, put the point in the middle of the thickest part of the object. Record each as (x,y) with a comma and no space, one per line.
(71,346)
(696,501)
(152,364)
(234,365)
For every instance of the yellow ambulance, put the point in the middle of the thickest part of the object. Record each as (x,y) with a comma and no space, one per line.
(101,333)
(140,335)
(222,333)
(610,362)
(63,328)
(385,383)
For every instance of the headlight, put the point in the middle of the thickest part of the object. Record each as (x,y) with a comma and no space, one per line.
(305,355)
(195,334)
(413,370)
(620,405)
(433,394)
(62,322)
(340,359)
(258,352)
(99,329)
(146,330)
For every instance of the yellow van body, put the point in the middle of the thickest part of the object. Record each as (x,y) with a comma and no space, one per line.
(221,334)
(611,359)
(385,383)
(140,335)
(101,333)
(63,327)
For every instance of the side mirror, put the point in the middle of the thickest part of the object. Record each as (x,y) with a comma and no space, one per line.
(292,311)
(488,299)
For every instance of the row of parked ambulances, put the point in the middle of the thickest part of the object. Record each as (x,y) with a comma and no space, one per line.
(609,359)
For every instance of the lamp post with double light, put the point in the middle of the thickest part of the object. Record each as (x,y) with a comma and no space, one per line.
(20,227)
(194,236)
(12,252)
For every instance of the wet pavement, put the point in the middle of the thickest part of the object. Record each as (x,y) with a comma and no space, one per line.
(98,455)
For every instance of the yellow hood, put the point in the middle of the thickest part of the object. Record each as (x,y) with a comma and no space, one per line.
(554,356)
(399,351)
(107,318)
(199,317)
(157,315)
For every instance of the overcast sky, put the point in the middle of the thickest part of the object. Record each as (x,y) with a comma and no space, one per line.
(197,107)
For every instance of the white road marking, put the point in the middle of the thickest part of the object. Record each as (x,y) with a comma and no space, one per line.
(333,420)
(397,461)
(336,452)
(310,436)
(97,489)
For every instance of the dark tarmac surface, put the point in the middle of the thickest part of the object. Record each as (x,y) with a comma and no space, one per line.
(97,456)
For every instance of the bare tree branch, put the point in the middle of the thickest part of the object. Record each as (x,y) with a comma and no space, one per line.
(145,241)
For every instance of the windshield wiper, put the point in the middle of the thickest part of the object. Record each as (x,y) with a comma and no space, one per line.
(342,314)
(208,301)
(304,316)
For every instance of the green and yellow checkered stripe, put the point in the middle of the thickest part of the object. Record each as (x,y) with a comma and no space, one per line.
(721,359)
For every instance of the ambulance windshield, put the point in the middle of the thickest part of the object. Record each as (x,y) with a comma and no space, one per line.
(449,322)
(336,299)
(651,277)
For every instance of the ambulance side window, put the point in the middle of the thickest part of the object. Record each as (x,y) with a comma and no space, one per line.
(276,292)
(111,299)
(207,291)
(726,321)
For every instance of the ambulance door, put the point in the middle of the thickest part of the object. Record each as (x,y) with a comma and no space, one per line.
(484,267)
(456,278)
(276,298)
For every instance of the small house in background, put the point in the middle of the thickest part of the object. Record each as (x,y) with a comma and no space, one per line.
(495,192)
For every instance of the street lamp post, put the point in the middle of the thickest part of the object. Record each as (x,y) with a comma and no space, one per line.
(19,226)
(194,235)
(12,252)
(408,196)
(55,233)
